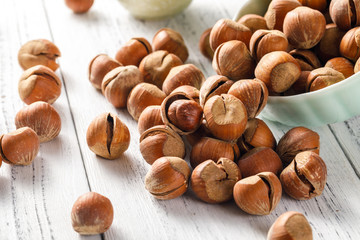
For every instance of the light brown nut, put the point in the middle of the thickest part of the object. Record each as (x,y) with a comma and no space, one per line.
(350,44)
(99,66)
(191,91)
(133,51)
(342,65)
(253,21)
(214,85)
(150,117)
(277,11)
(322,77)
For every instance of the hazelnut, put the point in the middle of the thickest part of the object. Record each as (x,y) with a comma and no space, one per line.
(156,66)
(305,177)
(226,117)
(92,213)
(204,44)
(160,141)
(191,91)
(290,226)
(265,41)
(233,60)
(170,40)
(167,178)
(252,93)
(133,51)
(99,66)
(150,117)
(278,70)
(107,136)
(349,45)
(42,118)
(258,194)
(307,59)
(357,66)
(214,182)
(214,85)
(300,30)
(253,21)
(39,83)
(345,13)
(225,30)
(79,6)
(299,86)
(195,137)
(187,74)
(19,147)
(322,77)
(297,139)
(118,83)
(315,4)
(39,52)
(277,11)
(342,65)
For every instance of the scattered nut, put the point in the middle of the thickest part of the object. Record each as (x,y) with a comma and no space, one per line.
(150,117)
(214,85)
(342,65)
(204,44)
(99,66)
(322,77)
(79,6)
(133,51)
(277,11)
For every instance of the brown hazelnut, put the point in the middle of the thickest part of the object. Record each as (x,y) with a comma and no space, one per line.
(160,141)
(226,117)
(307,59)
(156,66)
(214,85)
(99,66)
(258,194)
(253,21)
(297,139)
(300,30)
(170,40)
(214,182)
(142,96)
(357,66)
(133,51)
(19,147)
(39,83)
(305,177)
(277,11)
(107,136)
(187,74)
(315,4)
(39,52)
(345,13)
(225,30)
(349,45)
(150,117)
(233,60)
(252,93)
(79,6)
(167,178)
(92,213)
(299,86)
(265,41)
(204,44)
(278,70)
(201,132)
(211,148)
(118,83)
(290,226)
(322,77)
(42,118)
(191,91)
(342,65)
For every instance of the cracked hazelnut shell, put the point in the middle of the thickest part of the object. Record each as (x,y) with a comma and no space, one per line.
(322,77)
(214,85)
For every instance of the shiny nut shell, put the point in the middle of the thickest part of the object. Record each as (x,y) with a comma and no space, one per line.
(150,117)
(133,51)
(214,85)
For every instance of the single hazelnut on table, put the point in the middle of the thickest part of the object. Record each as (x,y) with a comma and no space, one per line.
(214,182)
(299,86)
(297,139)
(19,147)
(277,11)
(118,83)
(345,13)
(204,44)
(253,21)
(350,44)
(99,66)
(142,96)
(258,194)
(39,83)
(278,70)
(167,178)
(307,59)
(191,91)
(187,74)
(150,117)
(170,40)
(42,118)
(214,85)
(92,213)
(322,77)
(315,4)
(340,64)
(79,6)
(305,177)
(133,51)
(160,141)
(156,66)
(107,136)
(253,93)
(201,132)
(226,30)
(290,226)
(39,52)
(233,60)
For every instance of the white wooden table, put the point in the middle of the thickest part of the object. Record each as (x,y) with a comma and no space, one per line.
(36,200)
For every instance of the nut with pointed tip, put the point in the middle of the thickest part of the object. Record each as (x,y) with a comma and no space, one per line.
(204,44)
(214,182)
(214,85)
(160,141)
(305,177)
(345,14)
(342,65)
(307,59)
(39,52)
(258,194)
(277,11)
(92,213)
(150,117)
(322,77)
(253,21)
(167,178)
(350,44)
(191,91)
(79,6)
(107,136)
(39,83)
(290,226)
(42,118)
(19,147)
(133,51)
